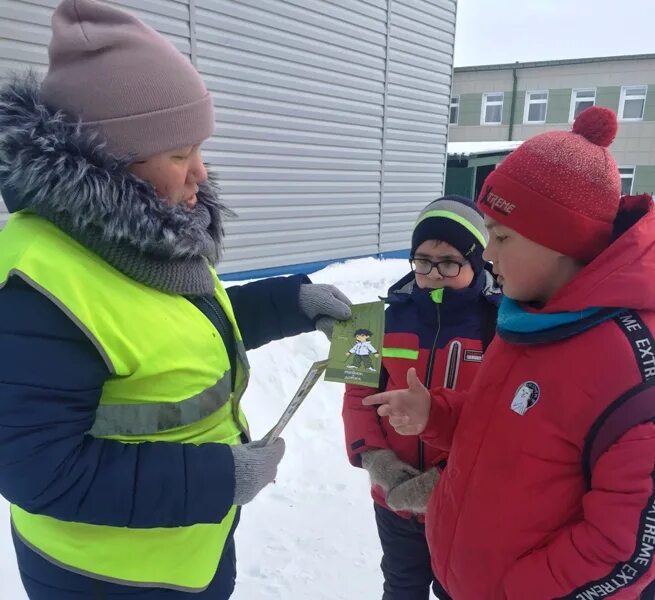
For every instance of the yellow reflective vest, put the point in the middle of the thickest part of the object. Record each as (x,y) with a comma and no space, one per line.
(170,381)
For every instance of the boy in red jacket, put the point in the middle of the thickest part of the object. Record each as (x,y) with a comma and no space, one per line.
(440,318)
(549,488)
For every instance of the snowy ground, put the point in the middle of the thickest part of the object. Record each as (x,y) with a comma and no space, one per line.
(312,534)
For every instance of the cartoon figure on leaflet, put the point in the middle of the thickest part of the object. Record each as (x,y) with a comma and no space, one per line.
(362,350)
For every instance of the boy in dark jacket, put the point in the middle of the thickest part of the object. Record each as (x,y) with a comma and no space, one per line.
(439,319)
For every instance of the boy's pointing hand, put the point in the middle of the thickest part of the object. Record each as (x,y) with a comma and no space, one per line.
(408,410)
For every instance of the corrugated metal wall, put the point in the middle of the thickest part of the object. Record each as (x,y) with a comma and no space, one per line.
(331,114)
(299,88)
(421,41)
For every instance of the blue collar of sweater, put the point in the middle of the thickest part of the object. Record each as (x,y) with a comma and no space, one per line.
(516,324)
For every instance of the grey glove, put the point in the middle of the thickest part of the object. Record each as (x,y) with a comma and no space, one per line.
(413,495)
(255,466)
(325,303)
(386,469)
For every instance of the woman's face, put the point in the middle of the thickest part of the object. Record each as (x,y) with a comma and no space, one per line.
(175,174)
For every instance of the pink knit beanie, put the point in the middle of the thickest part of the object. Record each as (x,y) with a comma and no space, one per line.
(123,78)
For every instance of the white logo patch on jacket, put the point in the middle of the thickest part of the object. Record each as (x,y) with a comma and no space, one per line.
(525,398)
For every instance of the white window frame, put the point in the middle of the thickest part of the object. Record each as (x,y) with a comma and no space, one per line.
(634,97)
(454,102)
(486,103)
(630,176)
(575,99)
(529,101)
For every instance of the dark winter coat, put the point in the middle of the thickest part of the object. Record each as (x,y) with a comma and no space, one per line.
(446,343)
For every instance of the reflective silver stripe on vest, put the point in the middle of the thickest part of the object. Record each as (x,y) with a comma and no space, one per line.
(92,575)
(33,284)
(149,418)
(243,357)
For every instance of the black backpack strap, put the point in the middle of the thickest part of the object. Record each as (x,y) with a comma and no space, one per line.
(648,593)
(636,406)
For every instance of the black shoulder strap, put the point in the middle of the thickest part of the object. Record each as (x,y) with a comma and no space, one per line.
(636,406)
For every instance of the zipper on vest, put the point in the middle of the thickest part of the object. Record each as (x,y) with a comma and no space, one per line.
(428,382)
(227,335)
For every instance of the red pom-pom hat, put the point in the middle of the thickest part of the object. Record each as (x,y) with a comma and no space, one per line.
(560,189)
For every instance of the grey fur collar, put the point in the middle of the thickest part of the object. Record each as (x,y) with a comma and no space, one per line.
(61,171)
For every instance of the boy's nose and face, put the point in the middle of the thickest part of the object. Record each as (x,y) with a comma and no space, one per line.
(527,271)
(437,251)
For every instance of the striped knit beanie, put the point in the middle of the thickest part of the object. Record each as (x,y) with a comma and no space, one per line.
(457,221)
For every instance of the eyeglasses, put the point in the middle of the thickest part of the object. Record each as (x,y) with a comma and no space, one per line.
(445,268)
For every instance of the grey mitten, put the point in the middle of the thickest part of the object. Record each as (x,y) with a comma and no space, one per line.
(325,303)
(386,469)
(413,495)
(255,466)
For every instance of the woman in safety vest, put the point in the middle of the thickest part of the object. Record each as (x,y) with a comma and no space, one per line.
(123,449)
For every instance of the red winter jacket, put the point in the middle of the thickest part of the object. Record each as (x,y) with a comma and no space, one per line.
(419,332)
(513,516)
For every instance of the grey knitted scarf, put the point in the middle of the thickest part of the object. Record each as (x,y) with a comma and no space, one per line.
(188,276)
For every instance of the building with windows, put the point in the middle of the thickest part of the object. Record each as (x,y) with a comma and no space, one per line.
(513,102)
(331,115)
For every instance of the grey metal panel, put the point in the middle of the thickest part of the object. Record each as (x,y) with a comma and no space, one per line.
(296,65)
(23,55)
(286,16)
(301,220)
(252,257)
(421,127)
(331,114)
(298,87)
(315,93)
(27,12)
(426,16)
(421,43)
(404,81)
(44,3)
(278,234)
(336,11)
(292,48)
(435,49)
(253,111)
(312,167)
(372,8)
(279,19)
(429,66)
(246,138)
(25,28)
(153,11)
(418,136)
(12,31)
(277,203)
